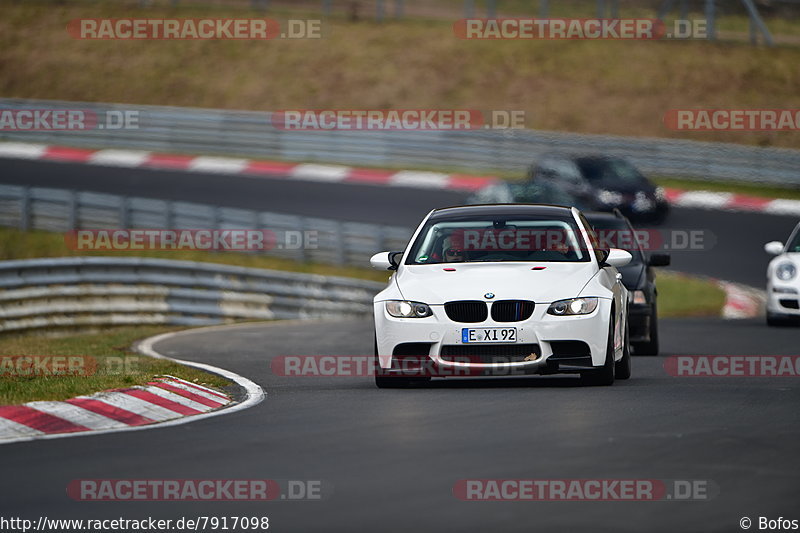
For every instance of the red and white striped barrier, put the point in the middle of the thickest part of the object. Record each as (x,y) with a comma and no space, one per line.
(164,399)
(250,167)
(742,301)
(345,174)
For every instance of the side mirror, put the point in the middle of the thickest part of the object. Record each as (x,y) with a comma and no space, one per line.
(659,260)
(385,260)
(618,258)
(774,248)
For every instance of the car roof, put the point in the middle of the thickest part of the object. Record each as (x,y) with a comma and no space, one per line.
(606,217)
(582,156)
(602,215)
(502,210)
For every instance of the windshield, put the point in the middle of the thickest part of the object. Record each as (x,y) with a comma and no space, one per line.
(609,170)
(616,233)
(492,240)
(542,193)
(794,245)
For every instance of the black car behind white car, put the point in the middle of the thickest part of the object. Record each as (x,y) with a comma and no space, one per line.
(638,276)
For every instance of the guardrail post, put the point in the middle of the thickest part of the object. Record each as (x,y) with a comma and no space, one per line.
(379,10)
(664,8)
(757,22)
(544,9)
(711,20)
(72,220)
(398,8)
(380,238)
(169,221)
(339,243)
(327,7)
(125,212)
(302,253)
(491,9)
(25,209)
(469,9)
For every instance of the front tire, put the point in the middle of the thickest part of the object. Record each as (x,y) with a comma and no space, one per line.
(651,347)
(776,320)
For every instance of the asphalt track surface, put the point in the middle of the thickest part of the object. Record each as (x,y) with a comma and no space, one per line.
(730,245)
(392,457)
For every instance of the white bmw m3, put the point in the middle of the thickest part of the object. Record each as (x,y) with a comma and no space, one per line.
(509,289)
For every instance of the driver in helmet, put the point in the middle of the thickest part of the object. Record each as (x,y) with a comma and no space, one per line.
(453,249)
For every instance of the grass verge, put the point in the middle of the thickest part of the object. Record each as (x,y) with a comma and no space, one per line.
(681,295)
(106,358)
(590,86)
(756,189)
(15,244)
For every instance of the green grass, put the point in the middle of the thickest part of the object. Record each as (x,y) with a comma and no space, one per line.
(15,244)
(762,190)
(598,87)
(110,364)
(680,295)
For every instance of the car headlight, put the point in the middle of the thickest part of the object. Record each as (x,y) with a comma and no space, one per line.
(405,309)
(639,297)
(610,197)
(786,271)
(643,203)
(573,306)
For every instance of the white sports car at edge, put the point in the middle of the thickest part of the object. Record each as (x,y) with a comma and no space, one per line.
(783,281)
(506,289)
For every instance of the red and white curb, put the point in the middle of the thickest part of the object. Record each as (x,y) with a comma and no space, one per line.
(164,399)
(246,167)
(727,201)
(742,301)
(344,174)
(167,401)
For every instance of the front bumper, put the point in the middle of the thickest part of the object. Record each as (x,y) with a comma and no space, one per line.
(639,318)
(545,343)
(783,299)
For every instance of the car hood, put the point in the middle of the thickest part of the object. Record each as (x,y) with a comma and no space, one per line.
(434,285)
(628,188)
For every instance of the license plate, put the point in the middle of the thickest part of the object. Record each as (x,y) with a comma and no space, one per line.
(478,335)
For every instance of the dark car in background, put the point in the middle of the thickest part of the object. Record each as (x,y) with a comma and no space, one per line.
(615,230)
(604,183)
(529,192)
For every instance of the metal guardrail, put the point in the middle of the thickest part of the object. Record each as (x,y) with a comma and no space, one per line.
(251,134)
(102,291)
(63,210)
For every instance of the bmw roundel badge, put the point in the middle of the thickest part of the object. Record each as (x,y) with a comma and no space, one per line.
(489,295)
